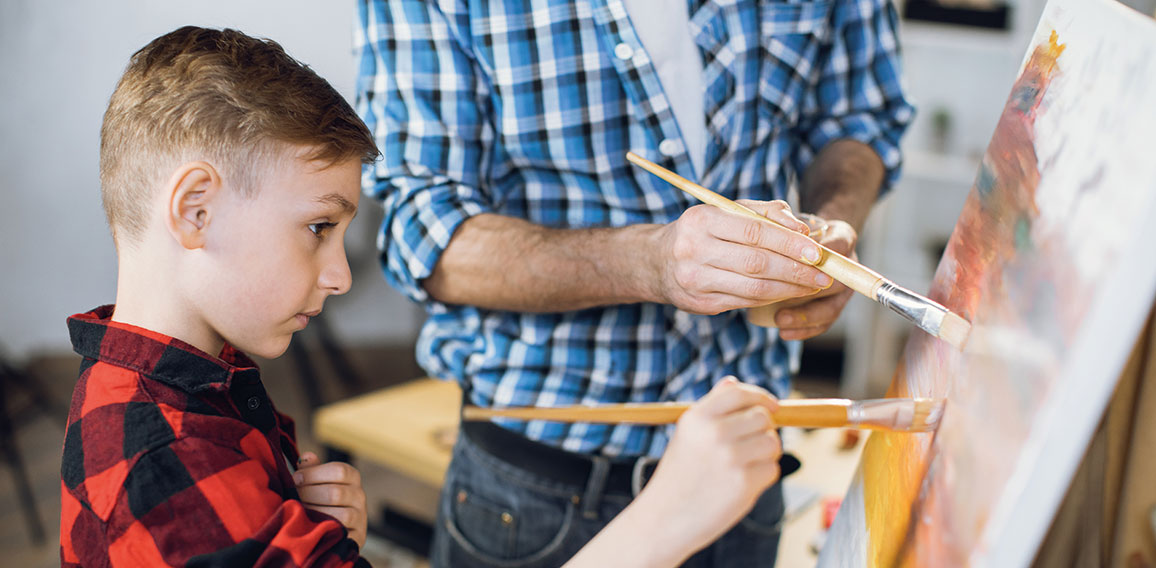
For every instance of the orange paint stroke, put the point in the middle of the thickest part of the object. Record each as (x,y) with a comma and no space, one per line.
(899,486)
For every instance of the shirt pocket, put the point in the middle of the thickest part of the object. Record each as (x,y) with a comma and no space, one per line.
(792,41)
(810,17)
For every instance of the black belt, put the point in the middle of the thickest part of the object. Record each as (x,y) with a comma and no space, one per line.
(624,477)
(553,463)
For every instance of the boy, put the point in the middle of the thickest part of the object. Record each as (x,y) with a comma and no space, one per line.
(229,174)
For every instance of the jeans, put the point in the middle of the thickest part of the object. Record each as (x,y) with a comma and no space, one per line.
(494,514)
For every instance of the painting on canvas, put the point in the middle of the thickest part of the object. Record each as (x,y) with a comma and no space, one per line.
(1052,262)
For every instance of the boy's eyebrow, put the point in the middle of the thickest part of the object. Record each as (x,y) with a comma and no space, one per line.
(338,200)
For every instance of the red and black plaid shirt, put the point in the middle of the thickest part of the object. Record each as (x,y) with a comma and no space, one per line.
(173,457)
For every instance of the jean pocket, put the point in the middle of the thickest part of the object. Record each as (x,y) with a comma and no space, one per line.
(507,526)
(766,517)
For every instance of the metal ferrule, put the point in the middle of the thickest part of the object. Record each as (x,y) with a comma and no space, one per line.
(887,413)
(922,312)
(855,413)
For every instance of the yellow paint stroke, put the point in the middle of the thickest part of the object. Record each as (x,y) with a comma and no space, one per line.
(1048,56)
(892,465)
(892,472)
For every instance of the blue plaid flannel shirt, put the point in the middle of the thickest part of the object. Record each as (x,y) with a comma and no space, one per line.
(527,109)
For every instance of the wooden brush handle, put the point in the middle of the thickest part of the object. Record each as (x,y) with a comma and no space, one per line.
(653,413)
(852,274)
(811,413)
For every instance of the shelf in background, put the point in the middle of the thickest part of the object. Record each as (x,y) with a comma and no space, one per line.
(943,36)
(952,169)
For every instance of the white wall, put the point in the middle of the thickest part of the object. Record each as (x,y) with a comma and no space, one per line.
(60,62)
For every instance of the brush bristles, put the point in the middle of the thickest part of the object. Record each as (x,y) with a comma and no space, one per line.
(928,412)
(954,330)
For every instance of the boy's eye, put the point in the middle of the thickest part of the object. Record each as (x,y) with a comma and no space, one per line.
(320,229)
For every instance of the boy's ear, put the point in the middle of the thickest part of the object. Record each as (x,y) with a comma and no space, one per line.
(192,189)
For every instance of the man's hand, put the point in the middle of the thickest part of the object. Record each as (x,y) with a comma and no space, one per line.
(840,185)
(710,261)
(333,488)
(809,318)
(814,316)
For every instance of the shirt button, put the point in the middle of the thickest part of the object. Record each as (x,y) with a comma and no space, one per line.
(253,403)
(623,51)
(669,147)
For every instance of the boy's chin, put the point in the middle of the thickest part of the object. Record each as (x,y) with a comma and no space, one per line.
(271,349)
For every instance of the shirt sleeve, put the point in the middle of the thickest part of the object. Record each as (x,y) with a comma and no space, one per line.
(200,503)
(418,93)
(859,92)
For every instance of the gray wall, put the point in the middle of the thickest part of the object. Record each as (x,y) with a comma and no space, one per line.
(60,62)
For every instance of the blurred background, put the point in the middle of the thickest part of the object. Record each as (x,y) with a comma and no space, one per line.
(61,61)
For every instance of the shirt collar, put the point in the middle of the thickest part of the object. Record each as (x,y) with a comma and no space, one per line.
(160,357)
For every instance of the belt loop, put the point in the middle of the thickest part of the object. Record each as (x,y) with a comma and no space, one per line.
(594,487)
(636,481)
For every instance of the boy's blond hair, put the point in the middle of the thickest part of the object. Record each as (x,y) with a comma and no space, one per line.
(221,96)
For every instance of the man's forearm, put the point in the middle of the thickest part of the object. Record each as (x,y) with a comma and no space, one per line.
(504,263)
(842,182)
(706,262)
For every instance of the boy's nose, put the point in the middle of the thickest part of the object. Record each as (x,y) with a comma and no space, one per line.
(336,277)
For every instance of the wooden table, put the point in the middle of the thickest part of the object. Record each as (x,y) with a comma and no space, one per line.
(408,429)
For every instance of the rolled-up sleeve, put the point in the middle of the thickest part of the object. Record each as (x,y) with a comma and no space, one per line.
(859,93)
(418,93)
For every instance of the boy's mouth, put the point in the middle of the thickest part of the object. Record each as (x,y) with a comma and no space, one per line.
(303,317)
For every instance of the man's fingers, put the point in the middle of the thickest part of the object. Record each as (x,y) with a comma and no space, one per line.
(822,311)
(331,472)
(758,290)
(811,318)
(749,232)
(778,211)
(801,333)
(755,262)
(840,237)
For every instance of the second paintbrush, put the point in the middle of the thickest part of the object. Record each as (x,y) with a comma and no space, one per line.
(923,312)
(889,414)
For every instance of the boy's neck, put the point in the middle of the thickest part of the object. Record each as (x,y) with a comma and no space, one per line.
(146,297)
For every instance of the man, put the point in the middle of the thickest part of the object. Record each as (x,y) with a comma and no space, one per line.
(556,273)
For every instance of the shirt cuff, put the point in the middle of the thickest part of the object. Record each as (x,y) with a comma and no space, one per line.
(865,127)
(417,229)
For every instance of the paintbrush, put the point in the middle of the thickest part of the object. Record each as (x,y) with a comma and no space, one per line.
(930,316)
(889,414)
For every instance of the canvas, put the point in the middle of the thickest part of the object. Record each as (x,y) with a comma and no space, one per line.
(1052,261)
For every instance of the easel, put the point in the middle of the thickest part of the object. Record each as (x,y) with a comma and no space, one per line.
(1106,516)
